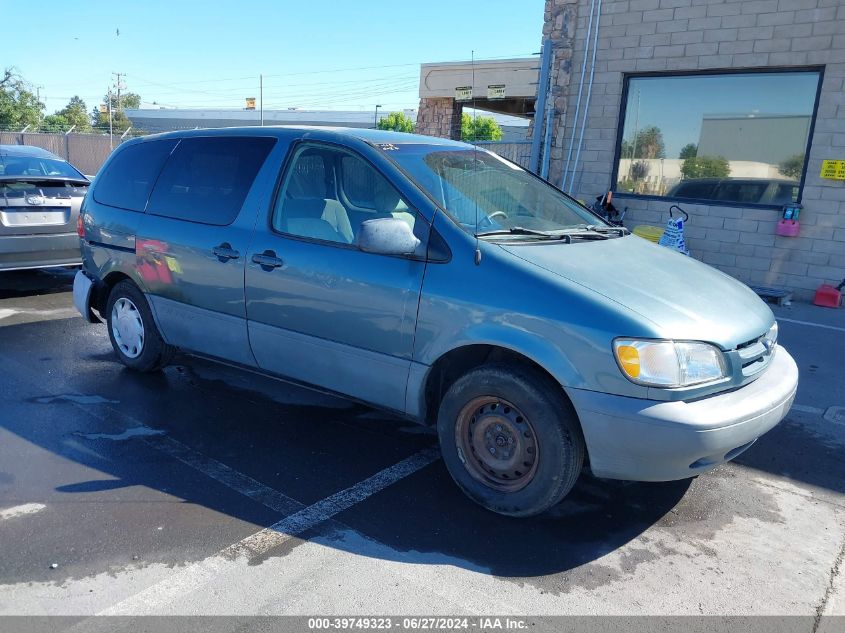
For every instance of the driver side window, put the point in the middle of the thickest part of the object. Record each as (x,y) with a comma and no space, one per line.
(327,194)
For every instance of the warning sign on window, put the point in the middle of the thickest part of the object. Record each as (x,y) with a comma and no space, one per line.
(833,169)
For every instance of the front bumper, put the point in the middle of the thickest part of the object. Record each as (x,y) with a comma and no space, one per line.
(645,440)
(19,252)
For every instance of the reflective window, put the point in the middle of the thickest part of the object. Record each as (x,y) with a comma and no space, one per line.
(207,178)
(328,193)
(129,177)
(739,137)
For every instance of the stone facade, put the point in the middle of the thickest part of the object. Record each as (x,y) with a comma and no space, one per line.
(439,116)
(687,35)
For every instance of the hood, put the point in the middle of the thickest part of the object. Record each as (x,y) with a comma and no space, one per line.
(681,297)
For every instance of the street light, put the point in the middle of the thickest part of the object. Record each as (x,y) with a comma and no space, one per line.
(375,120)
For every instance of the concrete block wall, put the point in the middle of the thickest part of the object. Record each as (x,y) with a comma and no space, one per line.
(688,35)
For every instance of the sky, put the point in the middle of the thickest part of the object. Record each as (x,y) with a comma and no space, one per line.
(341,54)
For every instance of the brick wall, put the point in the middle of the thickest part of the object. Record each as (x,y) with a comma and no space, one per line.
(439,116)
(676,35)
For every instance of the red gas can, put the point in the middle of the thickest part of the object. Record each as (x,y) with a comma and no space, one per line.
(829,296)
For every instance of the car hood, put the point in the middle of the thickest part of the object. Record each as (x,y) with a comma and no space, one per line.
(681,297)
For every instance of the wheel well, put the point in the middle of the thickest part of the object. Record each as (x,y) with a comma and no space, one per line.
(103,291)
(454,364)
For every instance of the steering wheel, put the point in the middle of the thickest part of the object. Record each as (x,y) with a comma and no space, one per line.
(488,219)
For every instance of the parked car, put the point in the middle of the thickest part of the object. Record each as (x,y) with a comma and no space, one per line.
(739,190)
(440,282)
(40,196)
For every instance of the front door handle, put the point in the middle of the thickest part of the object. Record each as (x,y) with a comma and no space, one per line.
(268,260)
(225,252)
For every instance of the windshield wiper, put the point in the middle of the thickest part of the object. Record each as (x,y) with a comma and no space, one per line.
(518,230)
(621,230)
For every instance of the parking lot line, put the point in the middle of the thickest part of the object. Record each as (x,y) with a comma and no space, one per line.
(21,510)
(810,323)
(260,543)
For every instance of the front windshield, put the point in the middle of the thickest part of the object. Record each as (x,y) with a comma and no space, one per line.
(486,194)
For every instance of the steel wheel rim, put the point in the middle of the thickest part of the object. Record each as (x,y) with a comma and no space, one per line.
(127,327)
(497,444)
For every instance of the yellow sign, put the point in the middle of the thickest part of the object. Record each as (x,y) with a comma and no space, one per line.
(250,103)
(833,169)
(104,108)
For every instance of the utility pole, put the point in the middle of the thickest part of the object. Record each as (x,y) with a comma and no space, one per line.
(261,97)
(111,133)
(375,118)
(119,85)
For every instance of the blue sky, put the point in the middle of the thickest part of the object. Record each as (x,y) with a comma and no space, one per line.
(348,54)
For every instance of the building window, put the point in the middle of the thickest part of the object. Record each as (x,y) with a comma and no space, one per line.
(733,138)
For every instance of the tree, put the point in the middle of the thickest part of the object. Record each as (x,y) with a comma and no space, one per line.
(55,123)
(793,166)
(690,150)
(648,143)
(480,128)
(119,121)
(639,170)
(397,122)
(706,167)
(76,114)
(19,107)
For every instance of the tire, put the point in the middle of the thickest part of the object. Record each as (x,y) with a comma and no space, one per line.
(132,330)
(529,428)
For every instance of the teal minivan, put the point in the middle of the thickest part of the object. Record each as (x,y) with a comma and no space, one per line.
(438,281)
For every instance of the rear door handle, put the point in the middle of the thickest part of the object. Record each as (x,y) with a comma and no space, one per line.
(268,260)
(225,252)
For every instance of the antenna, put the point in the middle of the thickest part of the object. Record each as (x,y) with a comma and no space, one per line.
(475,156)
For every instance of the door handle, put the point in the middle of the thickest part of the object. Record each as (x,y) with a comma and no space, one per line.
(225,252)
(268,260)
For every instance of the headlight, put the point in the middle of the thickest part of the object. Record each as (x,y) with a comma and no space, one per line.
(668,363)
(771,337)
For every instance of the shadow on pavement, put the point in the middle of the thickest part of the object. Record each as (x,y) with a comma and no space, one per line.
(309,447)
(24,283)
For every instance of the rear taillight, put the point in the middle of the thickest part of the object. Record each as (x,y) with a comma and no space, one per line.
(80,226)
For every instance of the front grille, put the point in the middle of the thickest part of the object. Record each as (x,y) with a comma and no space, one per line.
(753,356)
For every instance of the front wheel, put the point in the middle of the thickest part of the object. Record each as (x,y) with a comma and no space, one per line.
(132,330)
(510,439)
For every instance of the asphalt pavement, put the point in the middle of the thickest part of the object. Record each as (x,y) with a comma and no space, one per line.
(205,490)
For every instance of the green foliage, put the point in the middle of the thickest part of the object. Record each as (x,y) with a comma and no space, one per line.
(639,170)
(119,121)
(19,106)
(479,128)
(690,150)
(706,167)
(397,122)
(54,123)
(76,114)
(793,166)
(648,143)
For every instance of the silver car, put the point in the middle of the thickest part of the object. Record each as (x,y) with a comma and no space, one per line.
(40,196)
(443,283)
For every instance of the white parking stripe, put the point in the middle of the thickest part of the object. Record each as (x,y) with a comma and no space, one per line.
(805,409)
(810,323)
(195,576)
(22,510)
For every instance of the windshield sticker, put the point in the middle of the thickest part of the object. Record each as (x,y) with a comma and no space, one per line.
(388,147)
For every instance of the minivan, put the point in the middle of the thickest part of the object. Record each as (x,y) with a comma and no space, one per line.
(441,282)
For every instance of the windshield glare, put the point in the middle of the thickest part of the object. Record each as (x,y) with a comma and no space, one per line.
(483,192)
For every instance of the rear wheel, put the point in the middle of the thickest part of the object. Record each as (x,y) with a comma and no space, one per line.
(132,330)
(510,439)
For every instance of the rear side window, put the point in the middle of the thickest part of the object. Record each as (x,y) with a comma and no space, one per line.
(207,179)
(130,176)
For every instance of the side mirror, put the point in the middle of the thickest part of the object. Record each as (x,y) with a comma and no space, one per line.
(387,236)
